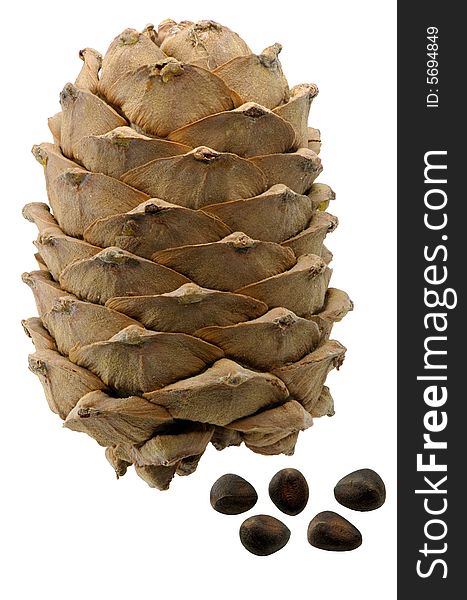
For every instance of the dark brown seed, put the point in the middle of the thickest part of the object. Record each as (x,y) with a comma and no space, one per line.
(288,490)
(232,495)
(361,490)
(330,531)
(263,535)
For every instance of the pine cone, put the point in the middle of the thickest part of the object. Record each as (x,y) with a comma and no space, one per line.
(183,283)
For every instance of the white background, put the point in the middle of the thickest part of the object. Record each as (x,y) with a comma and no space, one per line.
(69,529)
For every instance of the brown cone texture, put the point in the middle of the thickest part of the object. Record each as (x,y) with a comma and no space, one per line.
(182,286)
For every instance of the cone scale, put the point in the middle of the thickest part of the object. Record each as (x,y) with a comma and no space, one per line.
(182,284)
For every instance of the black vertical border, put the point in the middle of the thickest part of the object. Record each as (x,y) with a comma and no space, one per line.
(422,129)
